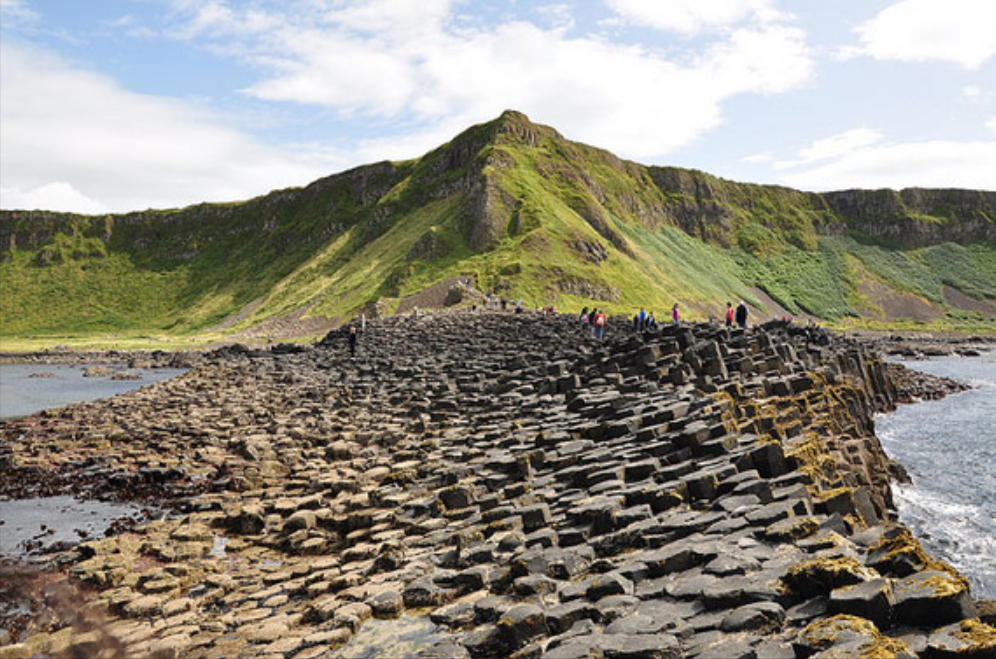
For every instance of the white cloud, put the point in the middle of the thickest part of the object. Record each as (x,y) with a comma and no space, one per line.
(16,13)
(412,66)
(971,91)
(758,158)
(768,60)
(216,18)
(693,16)
(933,164)
(557,15)
(991,124)
(410,59)
(56,196)
(75,140)
(958,31)
(835,146)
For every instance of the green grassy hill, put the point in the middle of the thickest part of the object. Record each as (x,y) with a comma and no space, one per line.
(521,211)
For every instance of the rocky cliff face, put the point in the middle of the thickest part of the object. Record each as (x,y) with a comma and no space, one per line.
(180,233)
(489,186)
(702,205)
(916,217)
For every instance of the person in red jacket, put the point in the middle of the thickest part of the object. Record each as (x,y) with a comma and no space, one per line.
(598,326)
(729,314)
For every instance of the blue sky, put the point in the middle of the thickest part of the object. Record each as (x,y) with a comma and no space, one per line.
(117,105)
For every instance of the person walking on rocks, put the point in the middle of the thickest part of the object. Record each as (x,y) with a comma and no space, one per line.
(675,314)
(729,314)
(352,337)
(741,315)
(599,324)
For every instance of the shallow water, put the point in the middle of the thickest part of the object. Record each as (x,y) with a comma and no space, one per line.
(949,449)
(22,392)
(53,520)
(391,639)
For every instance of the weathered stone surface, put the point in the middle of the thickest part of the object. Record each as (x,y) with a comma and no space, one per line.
(756,616)
(521,623)
(968,638)
(872,600)
(640,646)
(933,598)
(533,492)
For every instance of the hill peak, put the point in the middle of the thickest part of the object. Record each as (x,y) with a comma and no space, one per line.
(516,126)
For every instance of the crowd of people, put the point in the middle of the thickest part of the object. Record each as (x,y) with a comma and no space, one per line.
(594,319)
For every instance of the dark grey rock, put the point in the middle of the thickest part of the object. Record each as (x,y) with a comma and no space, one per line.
(521,623)
(614,607)
(640,646)
(872,600)
(766,616)
(563,616)
(535,517)
(612,583)
(727,648)
(932,599)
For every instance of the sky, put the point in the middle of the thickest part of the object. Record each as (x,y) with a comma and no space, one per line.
(119,105)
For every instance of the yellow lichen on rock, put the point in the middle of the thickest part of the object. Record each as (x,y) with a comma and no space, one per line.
(978,633)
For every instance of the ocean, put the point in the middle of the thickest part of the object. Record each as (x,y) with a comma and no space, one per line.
(948,447)
(22,392)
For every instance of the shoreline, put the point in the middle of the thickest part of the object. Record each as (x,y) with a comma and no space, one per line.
(714,430)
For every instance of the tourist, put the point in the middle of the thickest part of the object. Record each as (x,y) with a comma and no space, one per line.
(352,340)
(599,324)
(651,322)
(729,314)
(741,315)
(583,317)
(600,321)
(675,314)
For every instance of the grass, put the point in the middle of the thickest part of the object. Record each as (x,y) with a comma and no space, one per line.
(169,277)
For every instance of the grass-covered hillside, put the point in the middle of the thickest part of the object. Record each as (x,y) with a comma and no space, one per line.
(517,209)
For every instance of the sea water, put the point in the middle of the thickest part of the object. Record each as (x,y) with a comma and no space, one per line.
(948,447)
(23,391)
(58,519)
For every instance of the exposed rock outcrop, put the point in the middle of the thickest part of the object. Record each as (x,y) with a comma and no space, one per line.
(693,492)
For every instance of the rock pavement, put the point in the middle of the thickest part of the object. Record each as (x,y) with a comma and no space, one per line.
(528,491)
